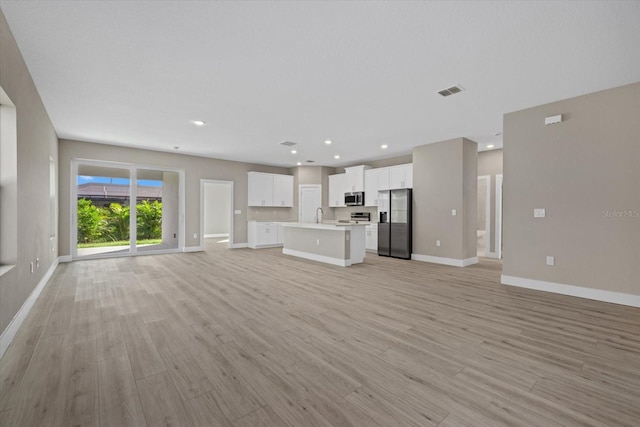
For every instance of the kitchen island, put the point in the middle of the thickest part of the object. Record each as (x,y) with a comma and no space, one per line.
(341,244)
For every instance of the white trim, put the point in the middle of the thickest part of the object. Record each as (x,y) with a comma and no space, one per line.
(574,291)
(239,245)
(65,258)
(321,258)
(491,255)
(487,214)
(230,185)
(193,249)
(498,225)
(211,236)
(10,332)
(446,261)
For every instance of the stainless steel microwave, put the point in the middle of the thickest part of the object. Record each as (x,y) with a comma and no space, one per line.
(354,199)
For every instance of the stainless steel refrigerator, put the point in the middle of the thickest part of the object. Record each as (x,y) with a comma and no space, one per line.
(394,228)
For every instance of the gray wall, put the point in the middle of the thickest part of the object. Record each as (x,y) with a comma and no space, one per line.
(170,208)
(585,172)
(36,143)
(312,175)
(445,178)
(216,208)
(196,168)
(490,163)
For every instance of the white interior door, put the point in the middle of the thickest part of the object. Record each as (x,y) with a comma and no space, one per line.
(308,203)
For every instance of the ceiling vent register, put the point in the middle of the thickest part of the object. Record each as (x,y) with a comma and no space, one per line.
(450,91)
(288,143)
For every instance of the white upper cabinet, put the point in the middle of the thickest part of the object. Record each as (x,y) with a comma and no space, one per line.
(268,189)
(401,176)
(355,178)
(337,188)
(371,187)
(283,190)
(389,178)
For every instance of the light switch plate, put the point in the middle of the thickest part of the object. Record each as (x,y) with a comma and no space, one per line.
(551,260)
(237,212)
(539,213)
(438,243)
(454,212)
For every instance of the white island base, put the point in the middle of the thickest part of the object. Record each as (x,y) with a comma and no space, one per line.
(337,244)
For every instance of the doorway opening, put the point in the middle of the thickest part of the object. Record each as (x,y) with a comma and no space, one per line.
(483,229)
(309,200)
(121,209)
(216,214)
(498,242)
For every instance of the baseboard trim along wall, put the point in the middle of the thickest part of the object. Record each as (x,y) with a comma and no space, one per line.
(209,236)
(65,258)
(446,261)
(574,291)
(314,257)
(10,333)
(491,255)
(193,249)
(239,245)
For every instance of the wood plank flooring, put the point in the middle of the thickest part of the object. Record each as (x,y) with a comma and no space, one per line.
(255,338)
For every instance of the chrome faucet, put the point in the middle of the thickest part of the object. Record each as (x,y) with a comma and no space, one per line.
(318,216)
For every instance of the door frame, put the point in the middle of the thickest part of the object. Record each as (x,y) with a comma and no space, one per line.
(487,215)
(229,184)
(300,187)
(498,236)
(133,168)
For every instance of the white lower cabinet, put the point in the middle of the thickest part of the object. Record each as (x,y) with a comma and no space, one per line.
(371,237)
(265,234)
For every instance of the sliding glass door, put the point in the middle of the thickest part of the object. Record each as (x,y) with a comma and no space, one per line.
(124,209)
(103,210)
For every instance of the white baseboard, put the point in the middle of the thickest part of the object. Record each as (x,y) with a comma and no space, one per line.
(493,255)
(574,291)
(193,249)
(446,261)
(239,245)
(209,236)
(10,332)
(65,258)
(321,258)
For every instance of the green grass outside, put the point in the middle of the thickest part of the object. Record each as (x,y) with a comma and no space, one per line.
(119,243)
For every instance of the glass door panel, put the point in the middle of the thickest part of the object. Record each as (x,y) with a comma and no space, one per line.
(157,210)
(103,210)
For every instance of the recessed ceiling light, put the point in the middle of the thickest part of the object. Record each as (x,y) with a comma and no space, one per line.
(198,122)
(294,151)
(490,146)
(384,146)
(336,156)
(299,163)
(327,142)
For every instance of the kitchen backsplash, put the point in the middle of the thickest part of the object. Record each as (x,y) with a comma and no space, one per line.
(345,213)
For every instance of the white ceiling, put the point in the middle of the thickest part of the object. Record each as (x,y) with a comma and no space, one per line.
(361,74)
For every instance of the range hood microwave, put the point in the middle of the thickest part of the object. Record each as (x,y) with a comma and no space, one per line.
(354,199)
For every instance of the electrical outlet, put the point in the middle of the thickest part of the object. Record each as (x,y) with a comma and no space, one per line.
(317,241)
(551,260)
(195,235)
(539,213)
(438,243)
(454,212)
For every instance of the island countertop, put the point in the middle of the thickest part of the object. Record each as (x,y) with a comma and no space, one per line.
(324,226)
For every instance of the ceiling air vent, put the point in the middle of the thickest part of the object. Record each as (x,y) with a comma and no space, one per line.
(450,91)
(288,143)
(311,161)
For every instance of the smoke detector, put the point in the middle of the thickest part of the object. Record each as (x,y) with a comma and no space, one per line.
(450,90)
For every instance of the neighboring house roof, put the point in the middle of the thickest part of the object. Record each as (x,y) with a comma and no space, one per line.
(95,190)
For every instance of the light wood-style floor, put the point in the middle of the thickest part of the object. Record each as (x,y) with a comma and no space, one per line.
(255,338)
